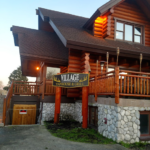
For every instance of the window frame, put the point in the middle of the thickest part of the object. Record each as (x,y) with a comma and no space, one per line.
(147,113)
(133,24)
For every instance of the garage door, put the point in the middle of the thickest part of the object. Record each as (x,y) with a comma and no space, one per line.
(24,114)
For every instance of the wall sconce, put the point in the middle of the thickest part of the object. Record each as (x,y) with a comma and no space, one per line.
(37,68)
(141,58)
(102,65)
(118,52)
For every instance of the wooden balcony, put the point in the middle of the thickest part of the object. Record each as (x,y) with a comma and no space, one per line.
(35,88)
(121,83)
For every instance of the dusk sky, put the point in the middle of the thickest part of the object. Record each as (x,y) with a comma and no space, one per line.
(22,13)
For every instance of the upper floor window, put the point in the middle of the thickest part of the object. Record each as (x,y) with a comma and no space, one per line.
(128,32)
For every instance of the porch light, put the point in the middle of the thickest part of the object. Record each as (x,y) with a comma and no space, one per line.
(102,65)
(37,68)
(118,52)
(141,58)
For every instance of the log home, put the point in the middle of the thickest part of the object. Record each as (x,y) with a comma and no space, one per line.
(113,45)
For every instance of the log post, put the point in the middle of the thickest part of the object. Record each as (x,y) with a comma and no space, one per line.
(85,107)
(117,85)
(57,104)
(85,93)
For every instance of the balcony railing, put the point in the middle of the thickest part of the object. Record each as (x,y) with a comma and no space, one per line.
(120,83)
(35,88)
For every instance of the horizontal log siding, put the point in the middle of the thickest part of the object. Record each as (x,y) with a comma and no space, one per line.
(132,13)
(74,63)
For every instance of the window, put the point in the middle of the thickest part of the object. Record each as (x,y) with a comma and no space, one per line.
(93,116)
(145,123)
(128,32)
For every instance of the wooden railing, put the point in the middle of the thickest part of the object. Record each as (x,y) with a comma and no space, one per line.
(35,88)
(134,84)
(26,88)
(120,83)
(6,103)
(51,90)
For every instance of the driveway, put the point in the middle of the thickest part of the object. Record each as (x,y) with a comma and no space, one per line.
(38,138)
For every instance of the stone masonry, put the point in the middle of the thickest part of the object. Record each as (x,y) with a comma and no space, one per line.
(68,110)
(123,123)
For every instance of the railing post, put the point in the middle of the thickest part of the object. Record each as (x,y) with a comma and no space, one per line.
(57,104)
(117,85)
(4,111)
(85,106)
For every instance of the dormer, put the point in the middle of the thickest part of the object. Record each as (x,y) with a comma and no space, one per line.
(122,20)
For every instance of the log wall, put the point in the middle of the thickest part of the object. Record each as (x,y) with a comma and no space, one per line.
(126,11)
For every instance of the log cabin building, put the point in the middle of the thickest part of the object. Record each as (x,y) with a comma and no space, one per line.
(113,46)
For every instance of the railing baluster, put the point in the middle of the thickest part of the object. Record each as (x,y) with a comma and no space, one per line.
(131,85)
(120,84)
(128,85)
(124,84)
(147,87)
(144,87)
(141,86)
(134,85)
(137,85)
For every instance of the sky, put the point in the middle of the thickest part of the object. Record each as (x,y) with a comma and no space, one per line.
(22,13)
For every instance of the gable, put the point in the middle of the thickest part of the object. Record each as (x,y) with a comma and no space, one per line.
(128,11)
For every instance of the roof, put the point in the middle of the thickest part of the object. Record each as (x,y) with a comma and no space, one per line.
(39,43)
(69,29)
(100,11)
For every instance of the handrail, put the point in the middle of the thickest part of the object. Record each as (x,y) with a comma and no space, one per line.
(6,103)
(134,72)
(120,84)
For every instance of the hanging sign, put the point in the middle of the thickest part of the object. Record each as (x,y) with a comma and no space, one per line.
(23,112)
(71,80)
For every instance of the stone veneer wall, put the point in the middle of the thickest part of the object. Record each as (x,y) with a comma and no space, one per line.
(68,110)
(122,122)
(78,111)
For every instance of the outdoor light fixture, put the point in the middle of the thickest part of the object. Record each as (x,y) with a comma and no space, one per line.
(102,65)
(118,52)
(141,58)
(107,58)
(37,68)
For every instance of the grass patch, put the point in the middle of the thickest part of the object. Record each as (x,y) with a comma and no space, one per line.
(72,131)
(136,146)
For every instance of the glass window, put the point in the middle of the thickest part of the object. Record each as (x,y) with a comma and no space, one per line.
(128,33)
(119,35)
(119,26)
(137,39)
(144,123)
(137,31)
(51,71)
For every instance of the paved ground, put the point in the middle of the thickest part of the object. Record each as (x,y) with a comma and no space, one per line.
(38,138)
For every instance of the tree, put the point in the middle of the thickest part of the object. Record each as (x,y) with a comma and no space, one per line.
(1,85)
(16,75)
(6,88)
(49,75)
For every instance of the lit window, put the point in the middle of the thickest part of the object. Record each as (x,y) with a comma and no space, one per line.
(128,32)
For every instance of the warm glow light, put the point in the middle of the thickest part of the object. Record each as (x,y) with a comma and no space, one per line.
(37,68)
(100,19)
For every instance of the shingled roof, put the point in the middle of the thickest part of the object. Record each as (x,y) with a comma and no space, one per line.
(39,43)
(70,30)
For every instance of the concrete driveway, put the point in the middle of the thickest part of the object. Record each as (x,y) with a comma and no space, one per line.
(38,138)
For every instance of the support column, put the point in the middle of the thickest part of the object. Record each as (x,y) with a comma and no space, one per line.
(85,94)
(85,91)
(57,104)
